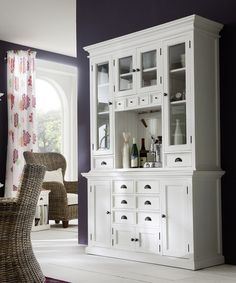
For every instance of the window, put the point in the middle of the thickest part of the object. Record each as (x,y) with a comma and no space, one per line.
(49,117)
(56,94)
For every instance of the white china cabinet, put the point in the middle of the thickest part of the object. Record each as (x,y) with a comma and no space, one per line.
(158,82)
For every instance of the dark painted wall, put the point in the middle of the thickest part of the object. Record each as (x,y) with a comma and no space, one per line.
(105,19)
(41,54)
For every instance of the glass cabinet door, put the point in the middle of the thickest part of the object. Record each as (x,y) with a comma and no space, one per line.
(102,89)
(148,69)
(126,73)
(177,94)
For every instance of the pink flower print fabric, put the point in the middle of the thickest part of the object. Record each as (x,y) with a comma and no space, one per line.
(21,114)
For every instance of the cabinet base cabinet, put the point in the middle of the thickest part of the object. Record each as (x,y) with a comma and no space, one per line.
(150,217)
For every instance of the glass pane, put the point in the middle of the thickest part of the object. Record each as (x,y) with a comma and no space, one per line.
(149,68)
(177,89)
(178,124)
(125,73)
(103,119)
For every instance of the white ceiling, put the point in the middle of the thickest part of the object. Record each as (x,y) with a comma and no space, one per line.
(44,24)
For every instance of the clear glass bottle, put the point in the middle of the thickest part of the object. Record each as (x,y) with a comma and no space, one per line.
(134,155)
(178,136)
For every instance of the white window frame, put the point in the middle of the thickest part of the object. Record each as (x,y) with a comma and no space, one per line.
(63,78)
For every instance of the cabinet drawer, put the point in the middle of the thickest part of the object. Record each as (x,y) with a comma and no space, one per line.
(103,163)
(148,219)
(120,217)
(120,104)
(123,202)
(148,187)
(155,98)
(148,203)
(143,100)
(123,187)
(43,199)
(132,102)
(179,160)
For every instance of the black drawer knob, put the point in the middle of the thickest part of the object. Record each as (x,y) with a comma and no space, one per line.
(178,159)
(163,216)
(108,212)
(123,187)
(124,217)
(147,202)
(103,163)
(148,218)
(136,240)
(165,94)
(132,239)
(123,201)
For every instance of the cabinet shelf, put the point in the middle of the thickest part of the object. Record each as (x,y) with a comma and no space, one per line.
(178,102)
(103,85)
(126,75)
(149,69)
(104,113)
(178,70)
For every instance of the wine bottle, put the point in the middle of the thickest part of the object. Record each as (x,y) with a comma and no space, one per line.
(134,155)
(142,154)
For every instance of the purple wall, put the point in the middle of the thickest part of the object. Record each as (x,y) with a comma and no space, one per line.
(105,19)
(41,54)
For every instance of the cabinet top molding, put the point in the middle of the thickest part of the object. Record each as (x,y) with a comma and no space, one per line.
(179,26)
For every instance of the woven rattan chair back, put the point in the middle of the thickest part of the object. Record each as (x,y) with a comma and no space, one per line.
(17,261)
(51,160)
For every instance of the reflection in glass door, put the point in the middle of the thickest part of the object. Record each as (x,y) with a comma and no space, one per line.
(177,97)
(103,113)
(126,73)
(148,68)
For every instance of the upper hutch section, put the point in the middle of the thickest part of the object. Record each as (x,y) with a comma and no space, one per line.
(160,84)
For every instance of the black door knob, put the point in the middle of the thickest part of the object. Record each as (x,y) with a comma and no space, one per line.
(165,94)
(108,212)
(163,216)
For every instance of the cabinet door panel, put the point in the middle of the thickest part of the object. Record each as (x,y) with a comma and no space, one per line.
(100,210)
(125,73)
(176,224)
(148,68)
(124,237)
(148,240)
(177,57)
(102,108)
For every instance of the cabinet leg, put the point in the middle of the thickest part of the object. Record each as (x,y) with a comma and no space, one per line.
(57,221)
(65,223)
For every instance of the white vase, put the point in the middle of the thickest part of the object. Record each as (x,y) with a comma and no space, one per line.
(125,155)
(178,136)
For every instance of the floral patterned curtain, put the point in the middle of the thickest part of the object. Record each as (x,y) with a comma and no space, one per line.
(21,114)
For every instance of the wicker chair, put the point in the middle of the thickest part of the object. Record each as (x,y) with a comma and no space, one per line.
(17,260)
(58,198)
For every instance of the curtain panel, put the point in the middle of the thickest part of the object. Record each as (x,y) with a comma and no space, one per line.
(21,115)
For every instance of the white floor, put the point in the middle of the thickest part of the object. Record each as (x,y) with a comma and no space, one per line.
(61,257)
